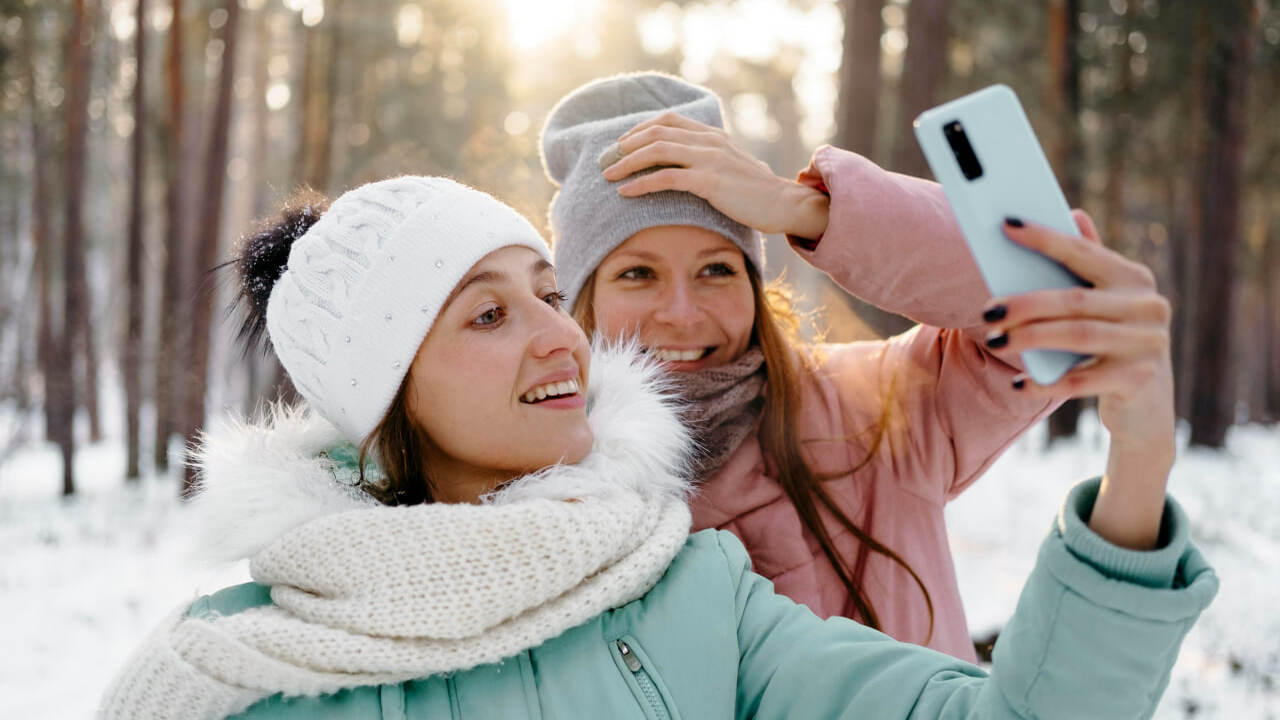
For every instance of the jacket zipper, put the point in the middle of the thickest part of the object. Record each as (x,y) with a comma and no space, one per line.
(648,690)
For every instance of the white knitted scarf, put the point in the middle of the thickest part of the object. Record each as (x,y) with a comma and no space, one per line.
(364,594)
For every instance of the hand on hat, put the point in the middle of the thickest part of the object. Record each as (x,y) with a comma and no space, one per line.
(703,160)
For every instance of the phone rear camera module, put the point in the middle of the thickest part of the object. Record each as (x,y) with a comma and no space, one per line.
(963,151)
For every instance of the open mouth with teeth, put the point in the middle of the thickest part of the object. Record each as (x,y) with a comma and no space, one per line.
(550,391)
(670,355)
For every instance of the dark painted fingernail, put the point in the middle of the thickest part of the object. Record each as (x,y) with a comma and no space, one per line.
(1013,221)
(995,313)
(997,341)
(1019,384)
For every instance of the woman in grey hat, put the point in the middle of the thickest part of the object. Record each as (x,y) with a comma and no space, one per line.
(832,463)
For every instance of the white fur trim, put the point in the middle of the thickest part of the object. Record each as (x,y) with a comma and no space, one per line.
(259,481)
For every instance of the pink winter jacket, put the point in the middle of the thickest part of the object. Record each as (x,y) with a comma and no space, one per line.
(892,241)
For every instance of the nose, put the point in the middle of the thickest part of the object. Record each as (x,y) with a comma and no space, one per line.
(554,331)
(679,305)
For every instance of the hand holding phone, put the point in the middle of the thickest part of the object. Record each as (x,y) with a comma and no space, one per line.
(983,151)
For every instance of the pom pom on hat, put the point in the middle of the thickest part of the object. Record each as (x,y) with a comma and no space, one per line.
(262,259)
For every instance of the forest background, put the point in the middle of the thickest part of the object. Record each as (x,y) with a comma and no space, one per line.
(135,154)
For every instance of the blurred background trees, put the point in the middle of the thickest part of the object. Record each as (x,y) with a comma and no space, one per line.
(142,137)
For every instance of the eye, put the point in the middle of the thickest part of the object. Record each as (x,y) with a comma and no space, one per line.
(490,317)
(555,299)
(639,272)
(719,270)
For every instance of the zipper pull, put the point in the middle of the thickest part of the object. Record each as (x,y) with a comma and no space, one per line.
(628,657)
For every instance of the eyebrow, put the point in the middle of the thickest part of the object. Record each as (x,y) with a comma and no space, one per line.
(493,276)
(651,257)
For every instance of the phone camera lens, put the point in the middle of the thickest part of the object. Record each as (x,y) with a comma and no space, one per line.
(960,147)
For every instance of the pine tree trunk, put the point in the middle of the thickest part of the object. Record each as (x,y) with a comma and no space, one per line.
(306,105)
(319,88)
(1177,290)
(76,306)
(208,233)
(82,344)
(1117,144)
(88,349)
(1226,77)
(168,393)
(1251,333)
(86,340)
(923,72)
(132,360)
(1268,328)
(1064,104)
(859,100)
(859,103)
(1186,227)
(42,236)
(322,142)
(1271,306)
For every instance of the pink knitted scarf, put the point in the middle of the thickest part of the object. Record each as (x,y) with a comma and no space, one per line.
(722,406)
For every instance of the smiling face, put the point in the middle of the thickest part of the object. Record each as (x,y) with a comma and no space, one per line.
(498,385)
(683,291)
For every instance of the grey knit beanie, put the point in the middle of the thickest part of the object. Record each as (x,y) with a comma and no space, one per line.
(588,216)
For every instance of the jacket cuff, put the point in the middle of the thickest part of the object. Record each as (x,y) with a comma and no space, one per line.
(1148,568)
(811,177)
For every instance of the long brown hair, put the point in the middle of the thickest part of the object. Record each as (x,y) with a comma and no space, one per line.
(398,447)
(776,330)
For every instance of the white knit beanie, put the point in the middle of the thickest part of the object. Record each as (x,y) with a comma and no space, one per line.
(364,284)
(588,216)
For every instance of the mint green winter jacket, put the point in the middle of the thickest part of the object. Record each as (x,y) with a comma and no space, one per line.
(1096,632)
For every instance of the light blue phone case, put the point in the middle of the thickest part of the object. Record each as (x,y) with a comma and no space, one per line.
(1015,180)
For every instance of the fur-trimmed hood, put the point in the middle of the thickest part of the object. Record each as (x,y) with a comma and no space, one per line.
(259,480)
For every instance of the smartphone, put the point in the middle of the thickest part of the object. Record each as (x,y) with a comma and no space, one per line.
(983,151)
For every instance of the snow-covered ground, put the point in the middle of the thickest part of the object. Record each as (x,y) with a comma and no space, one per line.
(82,580)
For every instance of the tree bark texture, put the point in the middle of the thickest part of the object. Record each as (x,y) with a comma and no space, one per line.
(923,72)
(62,383)
(132,346)
(167,394)
(42,236)
(1230,51)
(1063,103)
(859,102)
(1117,143)
(859,99)
(208,233)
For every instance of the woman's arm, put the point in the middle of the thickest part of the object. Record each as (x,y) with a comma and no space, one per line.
(1096,631)
(1124,324)
(1120,319)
